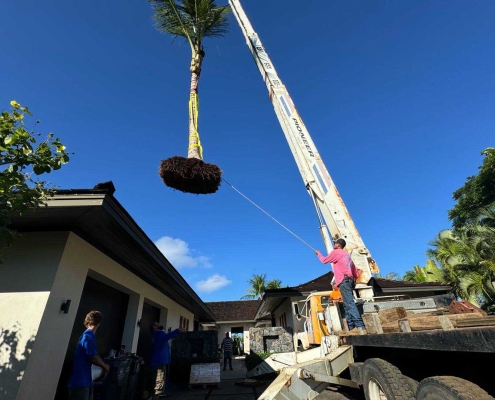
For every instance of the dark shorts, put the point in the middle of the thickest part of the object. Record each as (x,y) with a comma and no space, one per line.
(81,393)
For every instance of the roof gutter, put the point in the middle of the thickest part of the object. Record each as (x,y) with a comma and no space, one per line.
(416,289)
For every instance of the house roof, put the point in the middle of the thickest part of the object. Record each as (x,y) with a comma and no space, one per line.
(323,283)
(240,310)
(96,216)
(273,298)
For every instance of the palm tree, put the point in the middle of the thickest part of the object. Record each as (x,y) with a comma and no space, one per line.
(428,273)
(467,255)
(392,276)
(411,276)
(274,284)
(257,287)
(194,20)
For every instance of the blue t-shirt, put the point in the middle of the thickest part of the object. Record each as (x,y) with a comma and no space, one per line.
(160,351)
(81,369)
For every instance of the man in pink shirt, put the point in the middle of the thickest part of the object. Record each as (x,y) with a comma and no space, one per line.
(345,273)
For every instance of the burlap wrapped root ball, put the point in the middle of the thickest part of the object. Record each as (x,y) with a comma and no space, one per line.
(190,175)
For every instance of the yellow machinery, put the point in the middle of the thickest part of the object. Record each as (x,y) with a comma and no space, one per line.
(320,311)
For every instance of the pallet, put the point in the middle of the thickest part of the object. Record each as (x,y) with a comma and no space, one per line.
(397,322)
(216,385)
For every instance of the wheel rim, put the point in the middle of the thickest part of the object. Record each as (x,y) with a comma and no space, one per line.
(375,391)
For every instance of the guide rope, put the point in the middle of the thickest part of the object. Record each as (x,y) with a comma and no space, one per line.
(263,211)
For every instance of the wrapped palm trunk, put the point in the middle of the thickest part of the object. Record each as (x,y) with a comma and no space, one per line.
(192,174)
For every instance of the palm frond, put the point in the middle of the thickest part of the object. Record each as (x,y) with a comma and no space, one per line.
(193,19)
(274,284)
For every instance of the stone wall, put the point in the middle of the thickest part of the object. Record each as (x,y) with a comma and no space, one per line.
(272,340)
(192,348)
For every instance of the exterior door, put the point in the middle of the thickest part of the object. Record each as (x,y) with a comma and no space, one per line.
(113,305)
(150,314)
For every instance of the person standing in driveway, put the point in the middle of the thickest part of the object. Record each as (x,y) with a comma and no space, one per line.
(227,351)
(345,273)
(85,355)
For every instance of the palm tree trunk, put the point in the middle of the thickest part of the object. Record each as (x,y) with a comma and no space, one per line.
(195,150)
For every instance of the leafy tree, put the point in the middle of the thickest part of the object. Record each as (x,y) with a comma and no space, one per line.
(412,276)
(258,285)
(274,284)
(467,255)
(477,193)
(22,159)
(428,273)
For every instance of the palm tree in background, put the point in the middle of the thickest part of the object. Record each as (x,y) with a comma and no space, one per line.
(429,273)
(258,285)
(194,20)
(393,276)
(274,284)
(467,256)
(412,276)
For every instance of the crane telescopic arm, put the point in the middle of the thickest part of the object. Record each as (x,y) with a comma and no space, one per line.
(330,208)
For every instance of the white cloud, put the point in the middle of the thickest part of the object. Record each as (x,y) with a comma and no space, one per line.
(179,254)
(212,283)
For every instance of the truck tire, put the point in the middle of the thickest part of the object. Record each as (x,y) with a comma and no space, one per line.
(413,385)
(384,381)
(450,388)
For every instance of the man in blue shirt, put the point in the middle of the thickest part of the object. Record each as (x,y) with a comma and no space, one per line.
(160,357)
(85,355)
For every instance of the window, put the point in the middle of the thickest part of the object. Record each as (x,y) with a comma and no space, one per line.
(283,320)
(184,323)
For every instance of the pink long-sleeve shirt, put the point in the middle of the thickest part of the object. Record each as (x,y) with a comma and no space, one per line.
(341,264)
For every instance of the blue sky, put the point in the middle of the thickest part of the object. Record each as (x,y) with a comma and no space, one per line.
(397,95)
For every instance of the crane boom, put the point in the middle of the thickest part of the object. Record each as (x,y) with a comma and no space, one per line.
(330,207)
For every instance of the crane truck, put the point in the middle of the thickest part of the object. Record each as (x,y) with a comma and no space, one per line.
(446,362)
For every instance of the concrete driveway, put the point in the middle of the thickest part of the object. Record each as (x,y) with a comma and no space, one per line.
(228,390)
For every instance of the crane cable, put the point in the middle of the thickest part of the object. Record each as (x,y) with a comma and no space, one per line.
(278,222)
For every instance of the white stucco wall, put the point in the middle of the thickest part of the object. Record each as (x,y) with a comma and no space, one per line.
(26,278)
(292,322)
(59,264)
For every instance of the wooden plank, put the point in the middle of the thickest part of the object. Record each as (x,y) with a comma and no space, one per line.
(377,323)
(476,322)
(391,327)
(368,323)
(445,323)
(392,314)
(404,326)
(477,340)
(345,326)
(430,322)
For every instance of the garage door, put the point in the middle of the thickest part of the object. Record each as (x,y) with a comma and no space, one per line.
(113,304)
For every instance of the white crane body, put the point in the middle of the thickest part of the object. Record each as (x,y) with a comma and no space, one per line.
(330,207)
(328,349)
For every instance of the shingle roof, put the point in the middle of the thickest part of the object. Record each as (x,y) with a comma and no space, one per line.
(240,310)
(388,283)
(322,283)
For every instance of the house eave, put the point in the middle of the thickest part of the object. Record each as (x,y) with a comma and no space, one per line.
(100,219)
(408,289)
(249,321)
